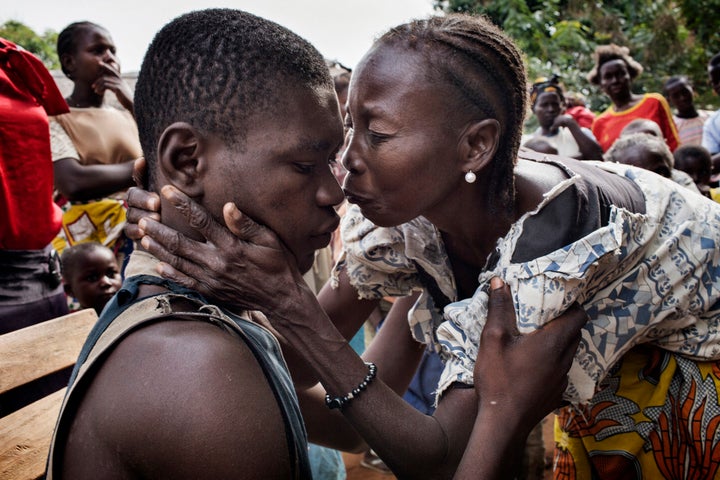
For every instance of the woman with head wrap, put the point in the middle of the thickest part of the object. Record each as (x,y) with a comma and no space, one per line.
(559,130)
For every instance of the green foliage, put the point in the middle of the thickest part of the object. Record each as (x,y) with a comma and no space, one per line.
(41,45)
(667,37)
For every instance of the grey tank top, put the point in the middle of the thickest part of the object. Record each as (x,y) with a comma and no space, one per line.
(125,314)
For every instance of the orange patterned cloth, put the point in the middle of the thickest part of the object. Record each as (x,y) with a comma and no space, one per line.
(656,416)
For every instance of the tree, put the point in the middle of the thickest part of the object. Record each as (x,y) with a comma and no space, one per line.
(559,36)
(44,46)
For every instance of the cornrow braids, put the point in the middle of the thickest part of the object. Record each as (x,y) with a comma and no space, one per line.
(486,69)
(545,86)
(67,39)
(217,68)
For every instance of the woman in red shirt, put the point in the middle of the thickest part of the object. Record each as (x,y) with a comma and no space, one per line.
(614,72)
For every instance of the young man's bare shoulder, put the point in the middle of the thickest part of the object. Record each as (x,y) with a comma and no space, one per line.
(181,397)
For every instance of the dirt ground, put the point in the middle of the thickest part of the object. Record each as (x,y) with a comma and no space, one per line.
(355,471)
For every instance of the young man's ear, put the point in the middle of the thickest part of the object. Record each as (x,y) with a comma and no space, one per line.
(478,144)
(180,158)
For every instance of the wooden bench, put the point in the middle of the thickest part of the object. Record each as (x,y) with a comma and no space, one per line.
(27,355)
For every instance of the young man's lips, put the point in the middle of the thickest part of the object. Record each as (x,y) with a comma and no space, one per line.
(329,230)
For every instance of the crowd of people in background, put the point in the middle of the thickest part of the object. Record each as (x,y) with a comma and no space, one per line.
(672,116)
(405,251)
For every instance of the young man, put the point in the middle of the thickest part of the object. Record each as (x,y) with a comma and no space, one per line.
(168,385)
(234,108)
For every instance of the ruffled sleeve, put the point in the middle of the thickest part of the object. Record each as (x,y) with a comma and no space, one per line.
(374,258)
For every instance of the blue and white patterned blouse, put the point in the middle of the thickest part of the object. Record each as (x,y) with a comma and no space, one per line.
(650,277)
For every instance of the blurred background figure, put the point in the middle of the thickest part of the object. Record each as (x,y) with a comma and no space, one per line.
(649,152)
(711,128)
(614,72)
(561,131)
(94,145)
(30,287)
(695,160)
(540,145)
(642,125)
(688,119)
(577,108)
(90,274)
(649,127)
(341,79)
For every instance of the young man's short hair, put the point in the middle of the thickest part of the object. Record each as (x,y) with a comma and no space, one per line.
(215,69)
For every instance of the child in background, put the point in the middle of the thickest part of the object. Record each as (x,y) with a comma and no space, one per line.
(688,119)
(643,126)
(90,274)
(696,161)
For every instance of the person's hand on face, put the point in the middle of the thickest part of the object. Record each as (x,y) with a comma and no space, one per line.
(243,265)
(113,81)
(525,374)
(141,203)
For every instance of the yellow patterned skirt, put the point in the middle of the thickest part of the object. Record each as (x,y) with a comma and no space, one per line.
(100,221)
(656,417)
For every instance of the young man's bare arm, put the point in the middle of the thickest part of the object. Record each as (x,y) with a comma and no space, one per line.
(178,399)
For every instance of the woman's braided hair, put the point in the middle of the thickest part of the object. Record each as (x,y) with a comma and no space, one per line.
(485,67)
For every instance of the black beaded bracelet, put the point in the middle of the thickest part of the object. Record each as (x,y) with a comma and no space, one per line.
(340,402)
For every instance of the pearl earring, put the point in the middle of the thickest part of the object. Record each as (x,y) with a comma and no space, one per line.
(470,177)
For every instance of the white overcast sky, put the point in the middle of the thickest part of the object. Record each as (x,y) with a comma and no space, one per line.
(340,29)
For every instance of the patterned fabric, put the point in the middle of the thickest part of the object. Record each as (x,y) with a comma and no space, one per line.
(653,106)
(656,416)
(690,130)
(95,136)
(100,221)
(643,278)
